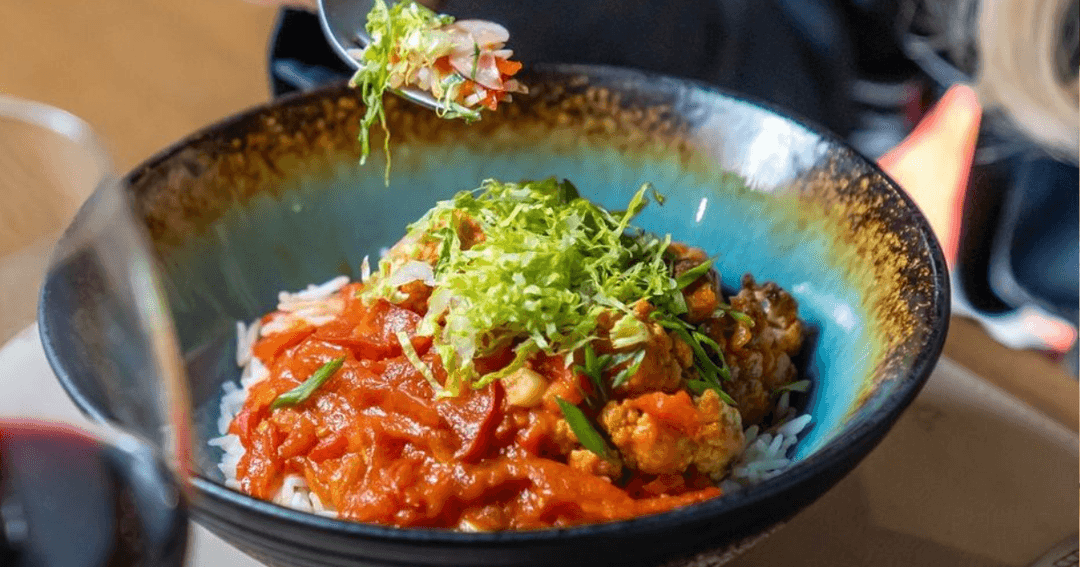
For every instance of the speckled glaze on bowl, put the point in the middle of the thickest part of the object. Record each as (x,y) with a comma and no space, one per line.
(275,199)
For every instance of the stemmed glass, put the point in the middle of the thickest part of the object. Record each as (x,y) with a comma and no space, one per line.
(49,160)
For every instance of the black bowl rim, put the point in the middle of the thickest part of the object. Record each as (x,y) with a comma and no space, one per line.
(847,448)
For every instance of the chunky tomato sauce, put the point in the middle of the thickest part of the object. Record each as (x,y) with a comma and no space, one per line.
(375,444)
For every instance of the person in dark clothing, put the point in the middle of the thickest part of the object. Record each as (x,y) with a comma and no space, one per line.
(796,55)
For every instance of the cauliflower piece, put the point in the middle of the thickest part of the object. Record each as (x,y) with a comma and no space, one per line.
(703,295)
(644,443)
(666,357)
(586,461)
(538,431)
(563,437)
(660,369)
(760,354)
(661,433)
(721,438)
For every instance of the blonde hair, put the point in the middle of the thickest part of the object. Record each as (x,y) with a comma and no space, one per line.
(1017,71)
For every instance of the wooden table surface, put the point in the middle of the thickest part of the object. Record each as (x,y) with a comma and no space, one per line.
(143,73)
(146,73)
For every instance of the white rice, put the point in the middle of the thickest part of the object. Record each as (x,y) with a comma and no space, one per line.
(312,306)
(232,450)
(245,339)
(315,305)
(765,453)
(313,292)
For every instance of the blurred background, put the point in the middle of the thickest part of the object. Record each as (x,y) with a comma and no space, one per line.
(146,74)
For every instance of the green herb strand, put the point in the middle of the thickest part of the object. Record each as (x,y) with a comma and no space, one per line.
(586,433)
(690,276)
(801,386)
(725,309)
(725,370)
(593,369)
(302,392)
(710,373)
(698,387)
(700,355)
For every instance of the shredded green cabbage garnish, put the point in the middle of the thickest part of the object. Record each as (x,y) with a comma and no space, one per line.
(414,359)
(403,39)
(550,264)
(627,332)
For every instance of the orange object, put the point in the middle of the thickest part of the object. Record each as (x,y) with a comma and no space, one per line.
(933,163)
(677,410)
(271,347)
(507,67)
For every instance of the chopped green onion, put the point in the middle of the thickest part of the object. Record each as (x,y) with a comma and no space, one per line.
(700,356)
(677,303)
(737,315)
(690,276)
(725,370)
(594,368)
(302,392)
(742,317)
(698,387)
(799,386)
(711,373)
(475,61)
(586,433)
(594,365)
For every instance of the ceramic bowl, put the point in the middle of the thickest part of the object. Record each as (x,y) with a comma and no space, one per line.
(275,198)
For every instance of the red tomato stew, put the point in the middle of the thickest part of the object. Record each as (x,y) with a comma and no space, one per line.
(506,368)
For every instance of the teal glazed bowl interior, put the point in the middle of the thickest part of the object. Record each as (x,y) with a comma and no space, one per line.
(275,198)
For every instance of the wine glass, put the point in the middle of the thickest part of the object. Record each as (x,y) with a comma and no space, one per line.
(50,474)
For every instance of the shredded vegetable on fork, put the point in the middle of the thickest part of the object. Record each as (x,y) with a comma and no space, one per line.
(461,63)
